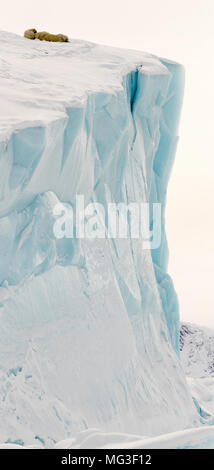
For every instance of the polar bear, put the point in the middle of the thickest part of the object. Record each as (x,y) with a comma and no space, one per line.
(44,36)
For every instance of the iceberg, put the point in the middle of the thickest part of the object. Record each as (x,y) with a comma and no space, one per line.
(89,328)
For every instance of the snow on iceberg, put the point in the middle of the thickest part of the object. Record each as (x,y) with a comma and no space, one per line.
(89,328)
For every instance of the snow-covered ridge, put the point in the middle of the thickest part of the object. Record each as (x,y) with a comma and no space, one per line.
(197,356)
(39,81)
(89,328)
(197,350)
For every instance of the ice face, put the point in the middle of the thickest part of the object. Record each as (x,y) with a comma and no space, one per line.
(89,328)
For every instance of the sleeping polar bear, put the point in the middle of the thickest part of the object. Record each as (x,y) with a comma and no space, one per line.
(44,36)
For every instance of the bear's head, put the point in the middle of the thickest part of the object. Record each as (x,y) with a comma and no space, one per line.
(30,33)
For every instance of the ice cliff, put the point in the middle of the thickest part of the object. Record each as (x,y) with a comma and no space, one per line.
(89,329)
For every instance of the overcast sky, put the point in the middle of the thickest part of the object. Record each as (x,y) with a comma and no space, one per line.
(182,30)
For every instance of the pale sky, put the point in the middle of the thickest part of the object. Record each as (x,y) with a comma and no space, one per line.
(181,30)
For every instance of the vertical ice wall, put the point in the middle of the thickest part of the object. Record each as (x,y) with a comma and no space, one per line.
(89,328)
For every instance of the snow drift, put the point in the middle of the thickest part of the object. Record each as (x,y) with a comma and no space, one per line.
(89,329)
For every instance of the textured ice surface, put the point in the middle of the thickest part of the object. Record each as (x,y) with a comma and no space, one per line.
(197,355)
(197,350)
(89,330)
